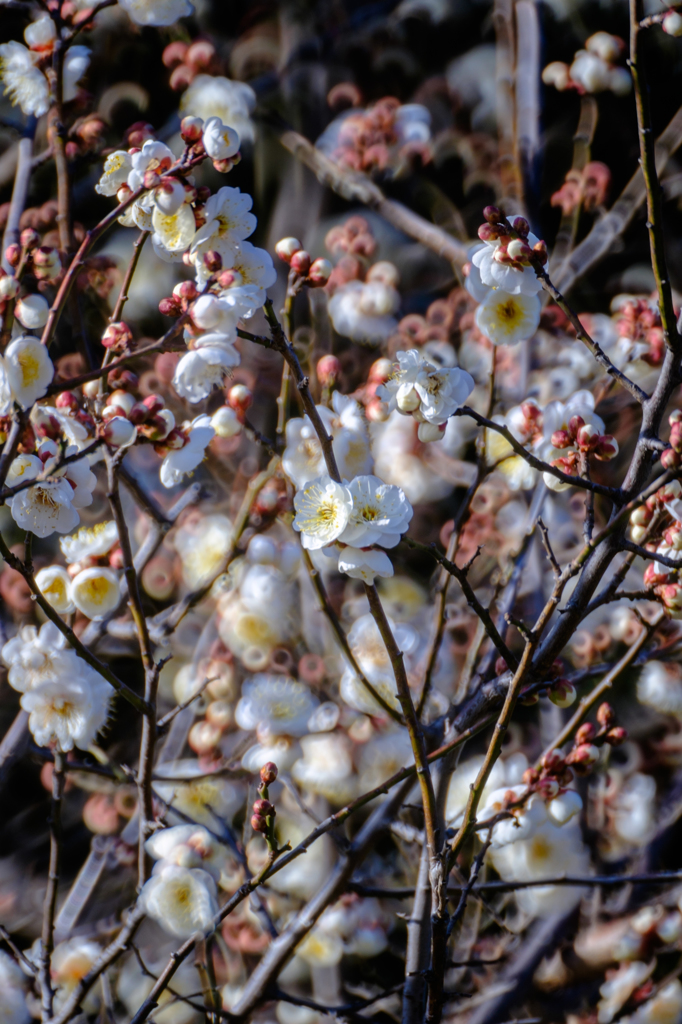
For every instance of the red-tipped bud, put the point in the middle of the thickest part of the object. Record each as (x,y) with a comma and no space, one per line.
(268,773)
(117,335)
(563,693)
(493,214)
(585,755)
(328,370)
(300,262)
(487,233)
(286,247)
(13,255)
(320,272)
(605,715)
(67,400)
(606,448)
(213,261)
(240,398)
(561,439)
(191,129)
(170,307)
(152,179)
(185,290)
(263,807)
(226,279)
(521,225)
(540,253)
(616,736)
(154,403)
(585,733)
(174,54)
(258,823)
(29,238)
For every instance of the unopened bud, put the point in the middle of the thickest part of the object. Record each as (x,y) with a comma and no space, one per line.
(203,738)
(561,439)
(328,370)
(408,400)
(170,306)
(605,715)
(493,214)
(152,179)
(583,756)
(227,278)
(320,272)
(13,255)
(119,432)
(672,24)
(213,261)
(122,400)
(268,773)
(518,250)
(263,807)
(286,247)
(67,400)
(616,736)
(29,238)
(185,290)
(300,262)
(563,693)
(117,335)
(239,397)
(521,225)
(585,733)
(258,823)
(606,448)
(191,129)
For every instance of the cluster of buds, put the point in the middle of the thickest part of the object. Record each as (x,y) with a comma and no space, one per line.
(512,248)
(581,438)
(85,136)
(353,238)
(28,253)
(371,139)
(588,739)
(67,402)
(186,62)
(124,419)
(303,270)
(639,324)
(180,301)
(587,188)
(594,69)
(671,458)
(212,139)
(263,817)
(118,336)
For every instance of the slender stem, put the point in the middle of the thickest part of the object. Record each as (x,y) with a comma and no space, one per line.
(654,196)
(50,900)
(115,317)
(283,397)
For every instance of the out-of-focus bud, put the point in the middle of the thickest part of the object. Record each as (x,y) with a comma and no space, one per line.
(672,23)
(152,179)
(268,773)
(29,238)
(213,261)
(671,596)
(585,733)
(616,736)
(117,335)
(328,370)
(286,247)
(200,54)
(670,459)
(641,516)
(563,693)
(122,399)
(219,713)
(561,439)
(174,54)
(300,262)
(258,824)
(584,756)
(264,807)
(605,715)
(427,432)
(557,74)
(377,411)
(91,389)
(191,129)
(67,400)
(170,306)
(320,272)
(226,422)
(203,738)
(493,214)
(119,432)
(240,398)
(13,255)
(154,404)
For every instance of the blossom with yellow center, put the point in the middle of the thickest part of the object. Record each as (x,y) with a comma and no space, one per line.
(54,584)
(506,319)
(96,592)
(323,509)
(29,370)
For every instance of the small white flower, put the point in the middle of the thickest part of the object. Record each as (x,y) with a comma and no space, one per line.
(203,546)
(169,197)
(183,901)
(233,102)
(303,459)
(54,584)
(200,797)
(228,221)
(23,82)
(380,515)
(220,142)
(45,508)
(276,703)
(419,387)
(505,277)
(96,592)
(564,807)
(323,509)
(90,542)
(192,846)
(31,311)
(364,564)
(524,820)
(225,422)
(181,461)
(506,318)
(34,657)
(156,12)
(365,311)
(173,233)
(200,370)
(117,167)
(217,318)
(254,272)
(29,369)
(67,712)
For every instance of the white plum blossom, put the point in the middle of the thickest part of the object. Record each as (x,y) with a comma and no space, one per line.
(505,318)
(364,563)
(253,272)
(228,222)
(524,820)
(506,277)
(326,766)
(214,96)
(365,311)
(303,459)
(220,141)
(32,311)
(117,167)
(24,83)
(28,368)
(90,541)
(181,461)
(217,318)
(323,509)
(380,514)
(192,846)
(203,548)
(96,592)
(54,584)
(369,650)
(557,415)
(660,687)
(36,656)
(71,961)
(277,704)
(226,422)
(169,197)
(156,12)
(427,392)
(183,901)
(153,156)
(45,508)
(196,795)
(66,711)
(202,369)
(564,807)
(173,233)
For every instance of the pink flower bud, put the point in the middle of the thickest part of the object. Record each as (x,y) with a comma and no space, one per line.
(671,596)
(300,262)
(606,448)
(563,693)
(13,255)
(586,437)
(170,307)
(119,432)
(191,128)
(154,403)
(521,225)
(493,215)
(268,773)
(583,756)
(67,400)
(518,250)
(487,233)
(203,738)
(259,824)
(616,736)
(29,238)
(585,733)
(320,272)
(328,370)
(213,261)
(152,179)
(240,398)
(263,807)
(561,439)
(652,577)
(286,247)
(117,335)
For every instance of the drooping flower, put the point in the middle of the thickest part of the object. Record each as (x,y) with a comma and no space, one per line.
(181,461)
(202,369)
(183,901)
(29,369)
(156,12)
(323,509)
(232,102)
(54,584)
(96,592)
(278,704)
(506,318)
(66,711)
